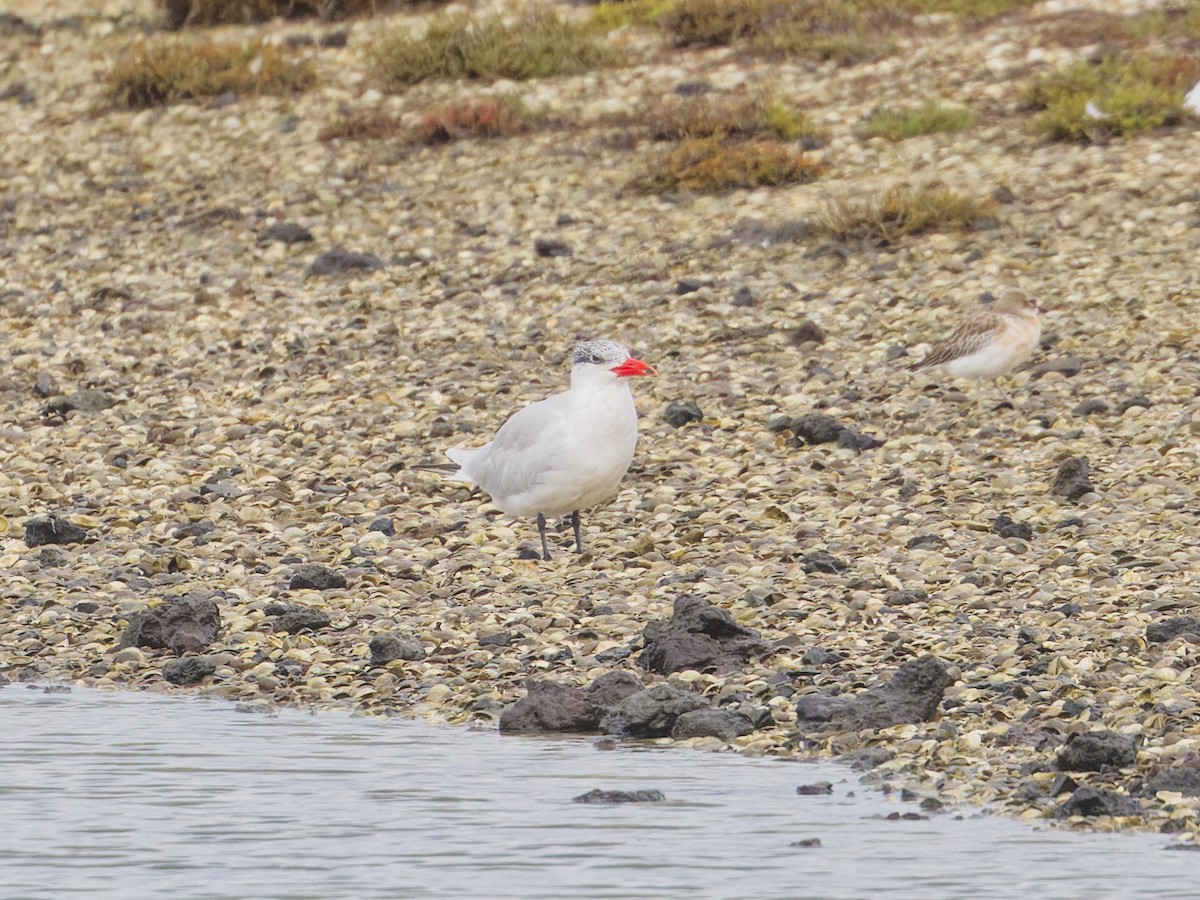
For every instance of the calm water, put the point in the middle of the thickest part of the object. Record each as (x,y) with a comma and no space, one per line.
(129,795)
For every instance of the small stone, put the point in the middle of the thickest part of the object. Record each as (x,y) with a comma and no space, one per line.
(693,87)
(387,647)
(298,618)
(316,577)
(1169,629)
(1007,528)
(88,400)
(822,561)
(1091,405)
(340,260)
(806,843)
(688,286)
(552,247)
(383,525)
(816,789)
(285,233)
(188,670)
(1093,751)
(743,297)
(53,529)
(1091,802)
(599,796)
(1067,366)
(680,412)
(1071,479)
(817,428)
(807,332)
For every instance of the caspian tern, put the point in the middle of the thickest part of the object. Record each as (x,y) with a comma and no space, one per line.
(994,340)
(567,452)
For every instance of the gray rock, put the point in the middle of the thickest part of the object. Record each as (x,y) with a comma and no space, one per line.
(316,577)
(1169,629)
(188,670)
(1067,366)
(822,561)
(1071,479)
(296,618)
(1007,528)
(725,724)
(53,529)
(807,332)
(680,412)
(612,687)
(339,260)
(552,707)
(1090,802)
(181,624)
(88,400)
(817,428)
(1094,751)
(1183,777)
(285,233)
(650,713)
(387,647)
(551,247)
(911,695)
(599,796)
(699,636)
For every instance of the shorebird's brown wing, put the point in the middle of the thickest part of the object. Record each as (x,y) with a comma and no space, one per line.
(970,337)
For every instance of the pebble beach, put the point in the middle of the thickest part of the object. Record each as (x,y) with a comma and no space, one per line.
(207,410)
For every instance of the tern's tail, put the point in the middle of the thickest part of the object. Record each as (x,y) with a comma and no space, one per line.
(455,470)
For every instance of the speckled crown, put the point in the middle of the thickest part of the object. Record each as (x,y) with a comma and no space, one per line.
(599,353)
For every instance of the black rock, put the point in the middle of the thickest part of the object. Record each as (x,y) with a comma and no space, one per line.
(651,713)
(88,400)
(1141,400)
(1007,528)
(1091,405)
(850,439)
(1169,629)
(1089,802)
(743,297)
(681,412)
(699,636)
(499,639)
(926,542)
(904,597)
(725,724)
(688,286)
(383,525)
(297,618)
(816,789)
(553,707)
(866,758)
(285,233)
(1183,778)
(817,428)
(612,687)
(912,695)
(1067,366)
(188,670)
(823,561)
(387,647)
(693,87)
(1094,751)
(819,656)
(599,796)
(806,843)
(180,624)
(339,260)
(807,332)
(552,247)
(193,529)
(316,577)
(1071,479)
(53,529)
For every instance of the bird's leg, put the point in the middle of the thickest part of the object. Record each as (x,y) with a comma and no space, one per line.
(575,525)
(542,531)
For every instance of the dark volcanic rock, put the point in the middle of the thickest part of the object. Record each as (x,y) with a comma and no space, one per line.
(383,525)
(316,577)
(912,695)
(1183,777)
(725,724)
(822,561)
(681,412)
(294,618)
(650,713)
(1169,629)
(816,789)
(188,670)
(1093,751)
(1007,528)
(807,332)
(387,647)
(599,796)
(52,529)
(553,707)
(88,400)
(1067,366)
(179,625)
(1071,479)
(285,233)
(612,687)
(552,247)
(699,636)
(339,260)
(1088,801)
(817,428)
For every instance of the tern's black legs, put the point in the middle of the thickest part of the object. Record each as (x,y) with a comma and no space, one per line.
(542,532)
(575,525)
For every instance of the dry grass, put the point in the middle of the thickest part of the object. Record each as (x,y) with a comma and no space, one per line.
(503,117)
(712,166)
(184,13)
(361,125)
(904,211)
(1112,97)
(725,116)
(161,72)
(539,44)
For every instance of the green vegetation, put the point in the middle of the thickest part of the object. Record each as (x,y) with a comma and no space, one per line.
(1116,96)
(161,72)
(903,211)
(725,116)
(979,10)
(931,117)
(537,45)
(181,13)
(611,14)
(712,166)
